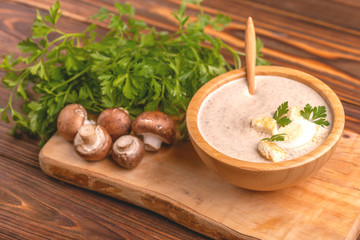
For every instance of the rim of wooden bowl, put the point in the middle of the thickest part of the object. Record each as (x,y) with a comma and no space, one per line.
(321,88)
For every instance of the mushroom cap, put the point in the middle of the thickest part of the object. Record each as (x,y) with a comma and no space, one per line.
(128,151)
(116,121)
(70,119)
(157,123)
(97,153)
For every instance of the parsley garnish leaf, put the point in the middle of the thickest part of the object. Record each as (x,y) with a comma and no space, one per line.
(278,115)
(276,137)
(322,122)
(315,114)
(319,112)
(306,112)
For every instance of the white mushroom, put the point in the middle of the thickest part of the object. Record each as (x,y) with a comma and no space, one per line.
(116,121)
(128,151)
(92,142)
(70,119)
(155,127)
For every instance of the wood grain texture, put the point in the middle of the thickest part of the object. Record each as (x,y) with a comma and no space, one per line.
(318,37)
(46,208)
(175,183)
(310,44)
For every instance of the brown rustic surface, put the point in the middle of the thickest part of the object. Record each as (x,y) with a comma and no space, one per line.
(175,183)
(319,37)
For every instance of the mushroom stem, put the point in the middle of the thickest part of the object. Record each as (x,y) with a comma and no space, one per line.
(152,142)
(88,135)
(128,151)
(124,144)
(89,121)
(92,142)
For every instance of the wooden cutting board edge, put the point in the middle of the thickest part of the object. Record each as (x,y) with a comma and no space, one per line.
(355,230)
(141,197)
(161,203)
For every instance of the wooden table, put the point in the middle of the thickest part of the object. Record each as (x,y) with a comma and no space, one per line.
(318,37)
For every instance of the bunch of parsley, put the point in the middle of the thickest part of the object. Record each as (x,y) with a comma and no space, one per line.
(133,66)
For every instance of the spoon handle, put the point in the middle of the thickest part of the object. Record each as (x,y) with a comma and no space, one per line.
(250,51)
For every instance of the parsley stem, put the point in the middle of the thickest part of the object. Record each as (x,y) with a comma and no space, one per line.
(235,54)
(71,79)
(9,104)
(45,70)
(90,94)
(69,34)
(66,94)
(196,54)
(56,40)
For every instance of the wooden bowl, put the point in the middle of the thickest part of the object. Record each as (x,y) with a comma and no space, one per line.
(266,176)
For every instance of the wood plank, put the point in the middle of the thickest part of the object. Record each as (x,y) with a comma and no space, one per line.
(176,184)
(28,197)
(34,201)
(308,46)
(307,9)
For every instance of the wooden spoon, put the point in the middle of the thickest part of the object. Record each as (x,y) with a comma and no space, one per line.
(250,51)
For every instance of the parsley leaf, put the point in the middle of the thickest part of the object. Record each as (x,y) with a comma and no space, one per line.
(276,137)
(316,115)
(306,112)
(278,115)
(259,46)
(133,66)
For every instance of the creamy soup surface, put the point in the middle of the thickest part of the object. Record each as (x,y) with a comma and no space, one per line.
(225,115)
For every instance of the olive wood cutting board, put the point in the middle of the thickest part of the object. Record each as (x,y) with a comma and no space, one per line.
(176,184)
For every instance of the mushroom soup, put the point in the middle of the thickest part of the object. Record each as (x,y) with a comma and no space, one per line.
(226,114)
